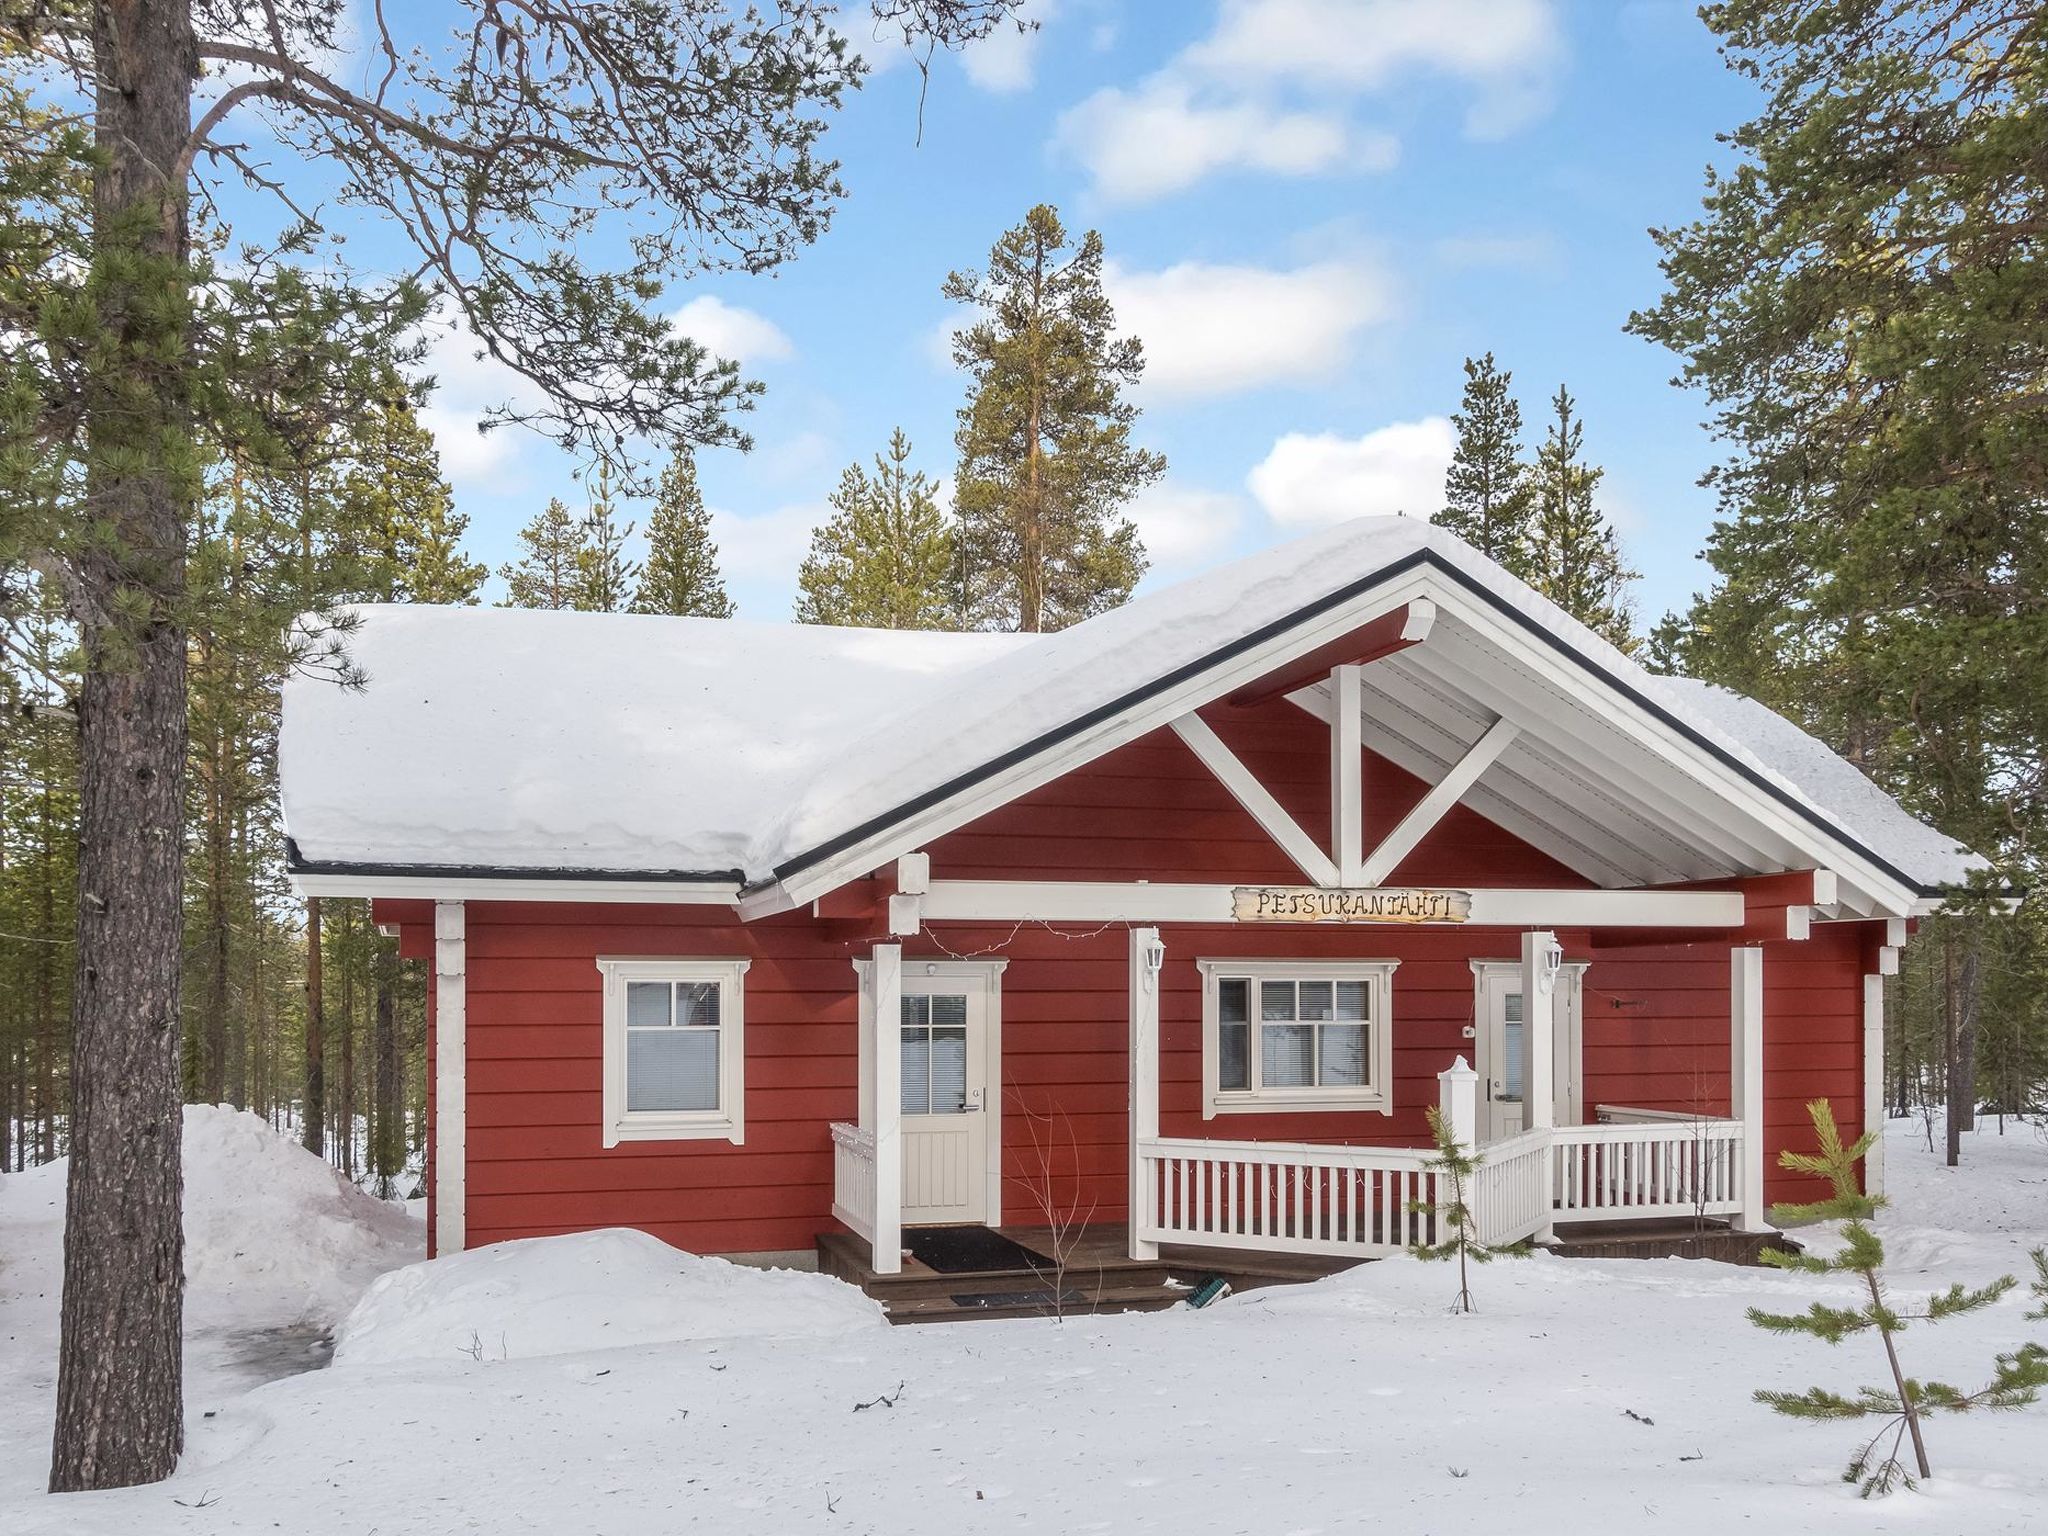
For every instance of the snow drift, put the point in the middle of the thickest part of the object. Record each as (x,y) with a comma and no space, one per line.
(608,1289)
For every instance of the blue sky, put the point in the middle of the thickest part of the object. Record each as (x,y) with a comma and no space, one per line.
(1313,210)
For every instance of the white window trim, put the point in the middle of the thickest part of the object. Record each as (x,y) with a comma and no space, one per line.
(725,1123)
(1378,1095)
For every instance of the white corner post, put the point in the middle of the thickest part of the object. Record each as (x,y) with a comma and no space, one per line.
(1457,1100)
(451,1088)
(1542,964)
(885,1016)
(1873,1082)
(1746,1076)
(1347,774)
(1147,956)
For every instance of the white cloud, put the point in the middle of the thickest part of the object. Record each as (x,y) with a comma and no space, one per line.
(468,383)
(1164,136)
(1506,49)
(1216,330)
(1271,88)
(1183,526)
(768,546)
(731,331)
(1006,61)
(1315,480)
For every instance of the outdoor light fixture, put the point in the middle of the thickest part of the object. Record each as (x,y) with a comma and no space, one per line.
(1155,957)
(1552,958)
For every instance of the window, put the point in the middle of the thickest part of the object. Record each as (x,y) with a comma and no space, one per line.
(1279,1034)
(673,1055)
(935,1054)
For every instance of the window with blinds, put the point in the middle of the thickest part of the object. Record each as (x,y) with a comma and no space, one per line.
(1281,1034)
(673,1056)
(935,1054)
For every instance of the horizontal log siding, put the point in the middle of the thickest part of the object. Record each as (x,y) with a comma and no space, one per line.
(1657,1035)
(1146,811)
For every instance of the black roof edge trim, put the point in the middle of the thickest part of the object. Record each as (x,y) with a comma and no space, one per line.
(1397,568)
(297,864)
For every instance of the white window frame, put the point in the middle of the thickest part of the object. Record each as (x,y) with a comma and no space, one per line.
(725,1123)
(1375,1095)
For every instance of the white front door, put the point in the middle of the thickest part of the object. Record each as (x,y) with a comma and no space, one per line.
(1499,1054)
(944,1059)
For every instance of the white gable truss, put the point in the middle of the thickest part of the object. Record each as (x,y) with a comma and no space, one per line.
(1476,700)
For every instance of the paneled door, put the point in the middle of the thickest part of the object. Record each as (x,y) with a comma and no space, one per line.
(944,1059)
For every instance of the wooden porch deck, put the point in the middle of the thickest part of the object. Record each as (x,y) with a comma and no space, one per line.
(1097,1276)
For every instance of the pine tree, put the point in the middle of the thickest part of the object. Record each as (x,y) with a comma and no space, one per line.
(886,557)
(1488,499)
(1860,303)
(1575,556)
(681,576)
(2016,1379)
(1456,1165)
(604,575)
(1046,460)
(133,361)
(407,513)
(546,573)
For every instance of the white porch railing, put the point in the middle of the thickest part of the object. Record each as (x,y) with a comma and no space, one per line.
(853,1177)
(1285,1197)
(1361,1202)
(1510,1192)
(1645,1168)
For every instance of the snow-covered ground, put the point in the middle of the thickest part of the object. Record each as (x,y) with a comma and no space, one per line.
(278,1247)
(1586,1395)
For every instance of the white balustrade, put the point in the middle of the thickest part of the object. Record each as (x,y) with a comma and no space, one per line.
(1286,1197)
(1642,1168)
(853,1178)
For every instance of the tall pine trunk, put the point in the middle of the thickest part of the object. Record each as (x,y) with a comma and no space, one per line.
(388,1150)
(1961,971)
(314,1127)
(120,1409)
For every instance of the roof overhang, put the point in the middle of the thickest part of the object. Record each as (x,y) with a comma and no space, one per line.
(1679,807)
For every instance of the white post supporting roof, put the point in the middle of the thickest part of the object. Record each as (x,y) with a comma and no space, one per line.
(885,1018)
(1256,799)
(1444,794)
(1873,1081)
(1144,1075)
(1540,970)
(1347,775)
(1746,1076)
(451,1090)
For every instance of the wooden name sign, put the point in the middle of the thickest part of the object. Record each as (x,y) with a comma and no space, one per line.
(1324,904)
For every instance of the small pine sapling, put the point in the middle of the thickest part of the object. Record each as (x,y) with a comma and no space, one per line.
(2016,1380)
(1456,1166)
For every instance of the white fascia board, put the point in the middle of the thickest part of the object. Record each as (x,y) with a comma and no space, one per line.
(1822,850)
(485,888)
(1055,901)
(999,789)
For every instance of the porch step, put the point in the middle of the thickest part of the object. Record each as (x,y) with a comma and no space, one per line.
(1098,1276)
(1079,1303)
(1679,1239)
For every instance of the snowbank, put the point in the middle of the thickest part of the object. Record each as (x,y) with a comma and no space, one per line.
(277,1246)
(590,1290)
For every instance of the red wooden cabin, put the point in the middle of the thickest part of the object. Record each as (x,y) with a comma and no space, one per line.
(1177,921)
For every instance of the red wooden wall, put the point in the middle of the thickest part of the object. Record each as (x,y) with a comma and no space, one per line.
(1656,1013)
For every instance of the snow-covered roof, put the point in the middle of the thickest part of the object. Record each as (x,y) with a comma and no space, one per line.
(500,740)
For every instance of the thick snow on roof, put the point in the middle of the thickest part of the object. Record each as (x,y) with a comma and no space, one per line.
(1855,804)
(497,737)
(502,739)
